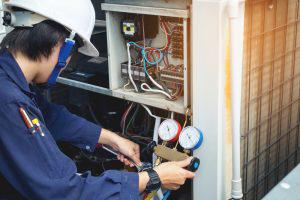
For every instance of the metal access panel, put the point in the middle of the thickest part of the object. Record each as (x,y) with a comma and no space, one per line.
(271,94)
(178,4)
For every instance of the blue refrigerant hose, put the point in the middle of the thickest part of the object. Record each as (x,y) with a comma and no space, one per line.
(166,195)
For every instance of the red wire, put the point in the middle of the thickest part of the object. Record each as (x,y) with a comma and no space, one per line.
(125,115)
(151,50)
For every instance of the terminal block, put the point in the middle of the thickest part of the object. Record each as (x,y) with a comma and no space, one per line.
(172,76)
(137,71)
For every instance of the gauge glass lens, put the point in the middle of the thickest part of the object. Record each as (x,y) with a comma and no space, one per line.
(189,137)
(168,130)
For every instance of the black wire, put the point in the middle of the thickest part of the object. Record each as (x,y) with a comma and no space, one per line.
(147,122)
(124,123)
(133,118)
(93,114)
(130,122)
(145,126)
(138,141)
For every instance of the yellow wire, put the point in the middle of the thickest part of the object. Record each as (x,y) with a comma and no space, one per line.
(151,195)
(186,117)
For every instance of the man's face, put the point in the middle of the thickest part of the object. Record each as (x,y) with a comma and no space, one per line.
(48,65)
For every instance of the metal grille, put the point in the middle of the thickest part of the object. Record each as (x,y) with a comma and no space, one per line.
(271,94)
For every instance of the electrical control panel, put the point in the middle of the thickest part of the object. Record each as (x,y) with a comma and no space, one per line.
(148,54)
(175,4)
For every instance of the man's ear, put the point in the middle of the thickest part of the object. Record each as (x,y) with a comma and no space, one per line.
(56,49)
(69,59)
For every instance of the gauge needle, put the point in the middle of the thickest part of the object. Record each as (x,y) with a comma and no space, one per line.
(168,128)
(168,131)
(189,137)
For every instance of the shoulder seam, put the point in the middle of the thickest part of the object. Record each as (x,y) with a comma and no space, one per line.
(13,101)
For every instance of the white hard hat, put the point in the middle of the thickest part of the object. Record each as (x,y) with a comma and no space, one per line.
(76,15)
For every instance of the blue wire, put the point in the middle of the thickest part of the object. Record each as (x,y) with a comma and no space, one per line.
(166,195)
(135,44)
(161,56)
(144,54)
(145,68)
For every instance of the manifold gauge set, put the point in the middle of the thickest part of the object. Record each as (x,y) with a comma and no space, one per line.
(189,138)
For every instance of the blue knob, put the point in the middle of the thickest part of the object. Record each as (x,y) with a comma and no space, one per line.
(194,165)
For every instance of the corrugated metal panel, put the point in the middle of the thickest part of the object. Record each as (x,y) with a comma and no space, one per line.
(271,84)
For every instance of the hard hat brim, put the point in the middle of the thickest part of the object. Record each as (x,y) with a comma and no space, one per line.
(89,49)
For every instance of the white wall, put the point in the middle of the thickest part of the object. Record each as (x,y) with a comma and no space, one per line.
(208,76)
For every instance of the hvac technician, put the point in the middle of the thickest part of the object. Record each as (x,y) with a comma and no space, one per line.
(46,34)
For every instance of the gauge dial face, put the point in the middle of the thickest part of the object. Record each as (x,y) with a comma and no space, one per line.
(190,138)
(169,130)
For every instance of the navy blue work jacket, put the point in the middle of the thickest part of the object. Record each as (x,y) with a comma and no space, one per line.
(32,164)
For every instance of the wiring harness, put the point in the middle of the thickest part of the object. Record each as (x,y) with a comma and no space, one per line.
(151,58)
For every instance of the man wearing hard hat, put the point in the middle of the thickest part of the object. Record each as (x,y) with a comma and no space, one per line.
(45,34)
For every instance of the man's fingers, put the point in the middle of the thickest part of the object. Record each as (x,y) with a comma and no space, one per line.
(184,163)
(135,157)
(189,174)
(120,158)
(172,186)
(176,187)
(137,161)
(138,155)
(126,162)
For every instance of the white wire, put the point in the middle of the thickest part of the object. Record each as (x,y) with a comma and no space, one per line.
(172,115)
(125,87)
(155,83)
(159,193)
(149,111)
(129,68)
(149,89)
(151,79)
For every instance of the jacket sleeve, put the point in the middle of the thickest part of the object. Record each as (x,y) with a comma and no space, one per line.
(35,167)
(65,126)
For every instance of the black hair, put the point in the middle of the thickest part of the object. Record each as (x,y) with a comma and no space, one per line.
(37,41)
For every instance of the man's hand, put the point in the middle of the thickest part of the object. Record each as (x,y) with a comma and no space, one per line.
(172,174)
(122,145)
(129,149)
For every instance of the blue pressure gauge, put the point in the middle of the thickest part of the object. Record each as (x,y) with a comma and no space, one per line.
(191,138)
